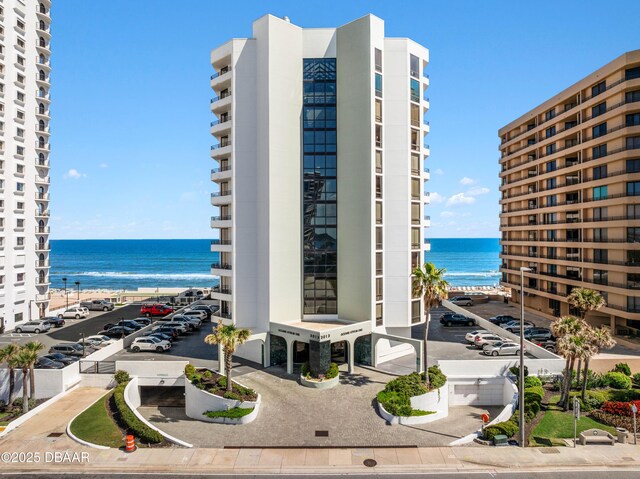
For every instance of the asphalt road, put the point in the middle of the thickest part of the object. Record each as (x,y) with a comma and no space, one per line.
(94,324)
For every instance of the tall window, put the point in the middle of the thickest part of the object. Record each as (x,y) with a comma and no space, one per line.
(414,66)
(549,132)
(415,90)
(599,151)
(598,88)
(378,85)
(599,192)
(599,130)
(599,109)
(632,96)
(633,142)
(378,59)
(320,187)
(600,172)
(633,188)
(631,73)
(633,119)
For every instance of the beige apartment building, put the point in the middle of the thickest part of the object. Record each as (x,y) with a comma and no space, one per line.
(570,197)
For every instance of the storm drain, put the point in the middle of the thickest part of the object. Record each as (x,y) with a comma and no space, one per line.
(370,462)
(55,434)
(549,450)
(322,433)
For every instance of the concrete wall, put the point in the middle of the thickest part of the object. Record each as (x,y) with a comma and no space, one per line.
(150,369)
(486,368)
(49,382)
(477,392)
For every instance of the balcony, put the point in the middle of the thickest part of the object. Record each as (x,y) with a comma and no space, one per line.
(221,102)
(426,103)
(42,163)
(222,197)
(221,125)
(43,230)
(42,246)
(221,293)
(42,146)
(221,246)
(42,213)
(221,79)
(221,221)
(427,197)
(221,314)
(42,264)
(221,149)
(221,173)
(43,281)
(427,221)
(427,245)
(43,112)
(42,179)
(426,150)
(221,269)
(42,196)
(426,127)
(427,174)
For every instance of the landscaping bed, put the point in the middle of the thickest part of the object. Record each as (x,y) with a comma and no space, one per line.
(216,384)
(13,412)
(97,426)
(325,380)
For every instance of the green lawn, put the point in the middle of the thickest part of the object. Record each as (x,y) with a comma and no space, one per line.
(556,425)
(96,426)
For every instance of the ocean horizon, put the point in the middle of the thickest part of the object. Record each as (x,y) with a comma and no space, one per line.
(162,263)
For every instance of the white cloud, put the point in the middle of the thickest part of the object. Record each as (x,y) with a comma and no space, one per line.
(436,197)
(438,171)
(478,191)
(447,214)
(74,174)
(467,181)
(104,165)
(460,199)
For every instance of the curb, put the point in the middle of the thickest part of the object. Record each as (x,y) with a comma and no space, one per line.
(77,439)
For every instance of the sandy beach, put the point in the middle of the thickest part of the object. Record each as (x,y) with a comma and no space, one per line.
(57,298)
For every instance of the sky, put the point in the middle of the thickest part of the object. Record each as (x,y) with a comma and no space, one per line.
(130,88)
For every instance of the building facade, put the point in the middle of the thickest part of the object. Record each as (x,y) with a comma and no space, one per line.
(24,159)
(570,186)
(319,186)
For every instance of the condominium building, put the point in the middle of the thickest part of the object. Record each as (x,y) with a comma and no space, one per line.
(319,188)
(570,184)
(24,159)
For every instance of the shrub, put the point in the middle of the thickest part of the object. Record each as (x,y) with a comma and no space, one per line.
(624,395)
(530,381)
(396,396)
(592,400)
(618,408)
(243,391)
(436,377)
(508,428)
(305,370)
(122,377)
(233,413)
(536,393)
(622,368)
(395,403)
(332,372)
(618,380)
(131,422)
(636,379)
(595,380)
(231,395)
(190,372)
(17,403)
(409,385)
(515,370)
(207,374)
(222,382)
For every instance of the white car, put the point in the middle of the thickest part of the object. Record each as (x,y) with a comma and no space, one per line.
(195,313)
(33,327)
(149,343)
(502,348)
(99,340)
(194,322)
(514,326)
(75,312)
(180,327)
(483,340)
(470,337)
(462,301)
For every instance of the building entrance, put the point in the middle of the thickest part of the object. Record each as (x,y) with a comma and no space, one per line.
(300,352)
(339,352)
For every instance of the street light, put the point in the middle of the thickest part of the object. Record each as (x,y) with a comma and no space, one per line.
(82,335)
(78,285)
(64,280)
(521,379)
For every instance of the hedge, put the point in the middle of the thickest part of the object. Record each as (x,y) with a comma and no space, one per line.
(593,400)
(131,422)
(619,408)
(331,373)
(636,379)
(531,381)
(622,368)
(508,428)
(397,394)
(618,380)
(234,413)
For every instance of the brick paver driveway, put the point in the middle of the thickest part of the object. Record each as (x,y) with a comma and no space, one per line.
(291,414)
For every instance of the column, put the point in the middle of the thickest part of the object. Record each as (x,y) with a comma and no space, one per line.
(290,344)
(350,355)
(319,356)
(266,351)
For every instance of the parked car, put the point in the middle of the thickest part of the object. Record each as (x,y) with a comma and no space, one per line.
(483,340)
(502,348)
(44,363)
(143,320)
(195,313)
(206,308)
(62,358)
(194,323)
(149,343)
(117,332)
(162,336)
(180,327)
(75,312)
(549,345)
(33,327)
(470,337)
(458,320)
(129,323)
(166,330)
(98,305)
(54,321)
(68,349)
(150,310)
(462,301)
(99,340)
(514,326)
(502,319)
(537,334)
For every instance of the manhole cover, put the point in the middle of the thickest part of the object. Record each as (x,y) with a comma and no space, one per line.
(322,433)
(549,450)
(370,462)
(55,434)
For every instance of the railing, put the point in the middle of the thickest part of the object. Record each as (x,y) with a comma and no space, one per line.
(40,111)
(218,289)
(220,266)
(42,263)
(222,144)
(42,213)
(42,179)
(221,96)
(42,146)
(220,169)
(97,367)
(43,230)
(42,196)
(221,193)
(225,242)
(221,72)
(577,220)
(43,163)
(219,121)
(569,202)
(42,281)
(221,314)
(42,246)
(221,218)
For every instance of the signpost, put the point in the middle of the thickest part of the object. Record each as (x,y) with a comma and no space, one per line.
(634,410)
(576,418)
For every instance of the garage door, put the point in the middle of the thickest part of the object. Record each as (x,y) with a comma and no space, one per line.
(161,396)
(464,394)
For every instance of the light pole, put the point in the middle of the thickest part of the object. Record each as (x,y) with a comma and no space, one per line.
(64,280)
(82,335)
(521,379)
(78,285)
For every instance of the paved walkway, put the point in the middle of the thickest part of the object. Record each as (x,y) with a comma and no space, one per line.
(32,437)
(291,414)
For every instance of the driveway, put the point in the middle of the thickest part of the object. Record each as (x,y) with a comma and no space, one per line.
(291,415)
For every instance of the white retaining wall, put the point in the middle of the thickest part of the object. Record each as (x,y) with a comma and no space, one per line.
(150,369)
(49,382)
(497,367)
(197,402)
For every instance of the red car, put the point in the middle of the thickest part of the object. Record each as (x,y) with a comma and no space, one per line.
(149,310)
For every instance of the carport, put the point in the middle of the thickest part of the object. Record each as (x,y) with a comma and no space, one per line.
(162,396)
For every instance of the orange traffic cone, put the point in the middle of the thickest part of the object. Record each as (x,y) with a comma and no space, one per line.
(130,444)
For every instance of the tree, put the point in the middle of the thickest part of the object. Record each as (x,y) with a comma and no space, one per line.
(23,360)
(34,347)
(565,328)
(429,283)
(229,337)
(6,355)
(599,338)
(585,300)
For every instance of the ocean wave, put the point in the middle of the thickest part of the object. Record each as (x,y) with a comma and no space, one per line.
(482,274)
(117,274)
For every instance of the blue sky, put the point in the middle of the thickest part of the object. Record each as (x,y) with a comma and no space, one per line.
(130,127)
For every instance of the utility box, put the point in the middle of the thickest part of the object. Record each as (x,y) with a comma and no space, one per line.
(623,434)
(500,440)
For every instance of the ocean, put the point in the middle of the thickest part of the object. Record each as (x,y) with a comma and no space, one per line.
(129,264)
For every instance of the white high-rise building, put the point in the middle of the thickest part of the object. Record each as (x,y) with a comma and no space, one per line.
(24,159)
(319,189)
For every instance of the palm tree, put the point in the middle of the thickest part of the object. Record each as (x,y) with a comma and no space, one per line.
(599,338)
(34,347)
(229,337)
(429,283)
(564,329)
(585,300)
(23,360)
(6,355)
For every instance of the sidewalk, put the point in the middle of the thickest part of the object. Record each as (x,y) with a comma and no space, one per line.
(33,437)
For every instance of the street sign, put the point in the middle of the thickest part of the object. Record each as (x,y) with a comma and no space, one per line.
(576,408)
(634,408)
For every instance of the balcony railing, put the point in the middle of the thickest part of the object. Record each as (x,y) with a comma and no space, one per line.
(220,242)
(222,144)
(220,169)
(220,266)
(42,196)
(42,146)
(221,290)
(221,120)
(221,72)
(42,179)
(42,213)
(221,314)
(221,193)
(221,218)
(42,246)
(43,230)
(42,263)
(221,96)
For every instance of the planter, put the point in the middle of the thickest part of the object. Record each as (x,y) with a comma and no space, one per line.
(437,401)
(324,384)
(199,401)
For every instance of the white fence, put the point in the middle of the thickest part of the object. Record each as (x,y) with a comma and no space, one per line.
(48,382)
(485,368)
